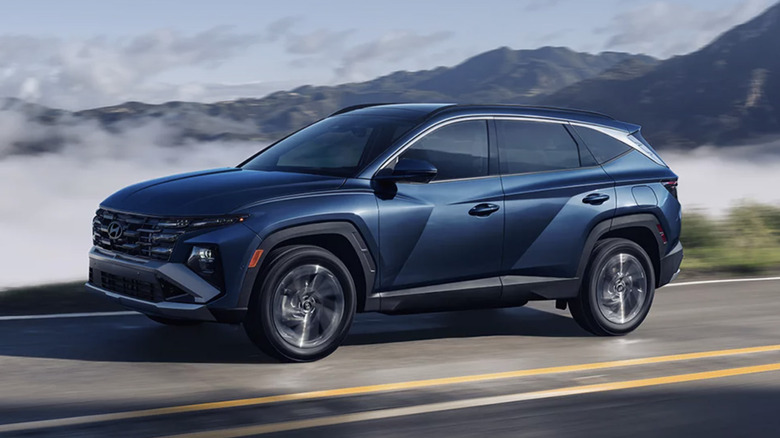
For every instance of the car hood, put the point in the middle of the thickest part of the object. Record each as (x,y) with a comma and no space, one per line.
(214,192)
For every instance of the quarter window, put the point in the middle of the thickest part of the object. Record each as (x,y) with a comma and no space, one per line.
(603,147)
(526,146)
(459,150)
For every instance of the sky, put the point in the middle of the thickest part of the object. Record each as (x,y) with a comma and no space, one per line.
(86,53)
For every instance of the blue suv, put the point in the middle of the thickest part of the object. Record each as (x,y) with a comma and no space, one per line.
(399,209)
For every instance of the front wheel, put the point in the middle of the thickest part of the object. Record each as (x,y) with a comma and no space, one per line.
(305,305)
(617,290)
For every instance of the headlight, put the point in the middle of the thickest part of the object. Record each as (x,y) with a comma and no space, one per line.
(217,221)
(204,261)
(201,222)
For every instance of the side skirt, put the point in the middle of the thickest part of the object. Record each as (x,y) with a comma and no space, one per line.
(492,292)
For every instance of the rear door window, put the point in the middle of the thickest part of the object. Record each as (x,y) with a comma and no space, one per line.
(527,146)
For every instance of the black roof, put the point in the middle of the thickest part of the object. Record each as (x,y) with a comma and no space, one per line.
(428,110)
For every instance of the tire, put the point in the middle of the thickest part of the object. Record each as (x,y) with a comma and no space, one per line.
(174,322)
(304,305)
(617,289)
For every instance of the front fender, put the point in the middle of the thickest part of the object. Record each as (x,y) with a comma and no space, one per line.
(352,215)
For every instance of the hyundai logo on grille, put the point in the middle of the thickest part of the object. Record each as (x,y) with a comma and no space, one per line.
(115,230)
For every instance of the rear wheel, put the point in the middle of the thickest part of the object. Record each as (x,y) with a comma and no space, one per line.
(305,305)
(617,290)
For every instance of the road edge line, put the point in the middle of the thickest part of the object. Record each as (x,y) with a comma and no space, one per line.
(727,280)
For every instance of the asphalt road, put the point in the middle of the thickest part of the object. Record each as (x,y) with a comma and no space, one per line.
(706,362)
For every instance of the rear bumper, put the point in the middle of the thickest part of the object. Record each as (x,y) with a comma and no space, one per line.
(156,288)
(670,265)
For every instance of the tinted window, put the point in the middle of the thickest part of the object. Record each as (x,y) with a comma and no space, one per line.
(535,146)
(603,146)
(459,150)
(340,145)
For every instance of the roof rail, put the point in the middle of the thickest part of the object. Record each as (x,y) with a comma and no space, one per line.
(357,107)
(571,110)
(450,106)
(529,107)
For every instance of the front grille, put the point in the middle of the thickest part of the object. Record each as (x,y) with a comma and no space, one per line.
(137,235)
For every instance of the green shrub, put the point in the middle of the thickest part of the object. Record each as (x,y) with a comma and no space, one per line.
(699,231)
(746,240)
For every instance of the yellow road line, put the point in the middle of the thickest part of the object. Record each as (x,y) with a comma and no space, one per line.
(385,387)
(475,402)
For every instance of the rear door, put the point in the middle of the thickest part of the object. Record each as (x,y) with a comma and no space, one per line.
(555,192)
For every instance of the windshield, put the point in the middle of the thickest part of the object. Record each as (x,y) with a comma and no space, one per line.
(337,146)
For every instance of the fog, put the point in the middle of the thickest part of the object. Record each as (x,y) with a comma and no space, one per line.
(47,200)
(714,179)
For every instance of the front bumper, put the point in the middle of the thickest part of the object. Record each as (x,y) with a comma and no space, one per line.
(153,287)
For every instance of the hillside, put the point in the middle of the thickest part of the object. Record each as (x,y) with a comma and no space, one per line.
(726,93)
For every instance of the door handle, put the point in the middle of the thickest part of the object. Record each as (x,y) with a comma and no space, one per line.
(595,199)
(483,210)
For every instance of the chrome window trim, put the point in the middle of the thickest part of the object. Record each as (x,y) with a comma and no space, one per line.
(461,118)
(618,134)
(427,131)
(460,179)
(623,137)
(537,172)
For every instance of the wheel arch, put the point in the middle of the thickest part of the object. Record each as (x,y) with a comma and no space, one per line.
(639,228)
(342,238)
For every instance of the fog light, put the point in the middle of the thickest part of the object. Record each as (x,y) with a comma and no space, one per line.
(204,261)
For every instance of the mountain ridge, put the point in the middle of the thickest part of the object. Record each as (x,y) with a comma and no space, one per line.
(727,92)
(501,75)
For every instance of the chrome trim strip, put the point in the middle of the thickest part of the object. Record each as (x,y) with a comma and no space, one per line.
(459,179)
(623,137)
(120,256)
(620,135)
(427,131)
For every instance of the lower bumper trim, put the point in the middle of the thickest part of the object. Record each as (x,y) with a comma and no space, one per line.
(166,309)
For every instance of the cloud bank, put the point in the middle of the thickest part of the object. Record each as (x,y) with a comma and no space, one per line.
(83,73)
(47,200)
(101,71)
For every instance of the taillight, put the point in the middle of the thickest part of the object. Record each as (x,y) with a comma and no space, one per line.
(671,185)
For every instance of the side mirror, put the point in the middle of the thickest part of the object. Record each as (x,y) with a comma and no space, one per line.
(408,170)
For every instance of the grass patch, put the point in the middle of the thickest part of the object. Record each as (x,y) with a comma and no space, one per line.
(744,242)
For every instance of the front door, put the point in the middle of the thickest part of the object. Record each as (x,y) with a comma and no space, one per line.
(449,230)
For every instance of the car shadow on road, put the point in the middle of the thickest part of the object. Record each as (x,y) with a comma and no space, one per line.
(525,321)
(137,339)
